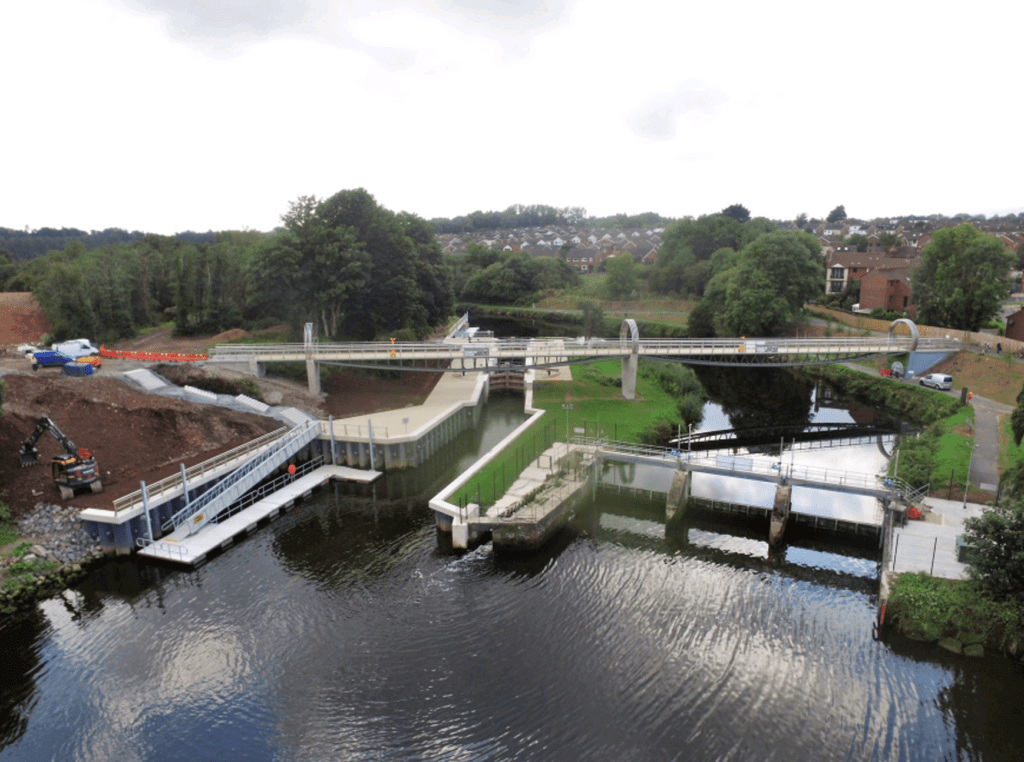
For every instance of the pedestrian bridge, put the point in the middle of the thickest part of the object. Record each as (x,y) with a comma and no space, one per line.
(490,355)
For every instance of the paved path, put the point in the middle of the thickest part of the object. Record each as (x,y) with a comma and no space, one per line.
(930,545)
(985,463)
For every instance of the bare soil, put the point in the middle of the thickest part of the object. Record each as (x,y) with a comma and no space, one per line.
(136,436)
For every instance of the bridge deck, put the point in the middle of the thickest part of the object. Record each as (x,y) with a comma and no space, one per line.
(562,350)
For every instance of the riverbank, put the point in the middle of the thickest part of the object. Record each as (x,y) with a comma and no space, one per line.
(51,553)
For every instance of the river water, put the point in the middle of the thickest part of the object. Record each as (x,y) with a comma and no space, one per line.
(350,630)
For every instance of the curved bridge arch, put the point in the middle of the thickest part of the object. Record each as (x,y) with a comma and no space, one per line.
(910,324)
(629,331)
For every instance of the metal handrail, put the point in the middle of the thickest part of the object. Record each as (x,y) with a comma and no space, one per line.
(169,547)
(760,467)
(251,498)
(295,438)
(198,470)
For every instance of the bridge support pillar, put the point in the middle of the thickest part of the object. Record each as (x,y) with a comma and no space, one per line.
(780,513)
(629,332)
(257,369)
(313,374)
(678,496)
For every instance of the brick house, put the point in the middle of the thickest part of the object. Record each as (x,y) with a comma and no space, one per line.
(1015,326)
(888,288)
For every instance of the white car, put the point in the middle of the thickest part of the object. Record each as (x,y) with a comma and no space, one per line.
(937,381)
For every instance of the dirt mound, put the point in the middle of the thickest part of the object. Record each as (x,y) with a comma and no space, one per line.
(234,333)
(22,320)
(134,436)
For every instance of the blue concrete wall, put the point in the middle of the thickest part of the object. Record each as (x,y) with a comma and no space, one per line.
(921,362)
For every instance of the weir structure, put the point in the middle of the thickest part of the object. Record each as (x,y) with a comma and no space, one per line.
(548,491)
(178,508)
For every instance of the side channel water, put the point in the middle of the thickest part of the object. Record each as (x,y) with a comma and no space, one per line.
(349,629)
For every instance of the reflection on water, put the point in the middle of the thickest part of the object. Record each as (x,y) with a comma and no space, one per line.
(349,629)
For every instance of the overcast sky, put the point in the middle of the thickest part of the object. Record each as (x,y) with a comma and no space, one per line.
(170,115)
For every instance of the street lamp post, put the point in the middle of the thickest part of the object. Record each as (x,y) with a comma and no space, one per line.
(967,481)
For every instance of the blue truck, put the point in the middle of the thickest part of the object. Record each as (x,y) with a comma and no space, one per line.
(48,358)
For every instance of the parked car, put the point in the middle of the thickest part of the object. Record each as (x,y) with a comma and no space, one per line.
(937,381)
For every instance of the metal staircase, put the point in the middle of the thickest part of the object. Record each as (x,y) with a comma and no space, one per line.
(207,506)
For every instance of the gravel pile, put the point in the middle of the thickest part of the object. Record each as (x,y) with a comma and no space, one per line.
(58,534)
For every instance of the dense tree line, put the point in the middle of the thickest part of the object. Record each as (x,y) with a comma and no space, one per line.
(490,276)
(350,266)
(694,250)
(22,245)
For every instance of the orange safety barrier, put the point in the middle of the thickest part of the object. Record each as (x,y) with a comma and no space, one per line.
(123,354)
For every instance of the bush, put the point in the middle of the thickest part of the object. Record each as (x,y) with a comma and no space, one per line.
(996,551)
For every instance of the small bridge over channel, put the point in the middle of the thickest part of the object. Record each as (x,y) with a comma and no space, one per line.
(468,352)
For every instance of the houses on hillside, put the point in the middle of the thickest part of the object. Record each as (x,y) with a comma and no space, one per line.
(582,248)
(883,269)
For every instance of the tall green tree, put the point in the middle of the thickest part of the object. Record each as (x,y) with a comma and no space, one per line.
(996,551)
(774,277)
(738,212)
(623,273)
(963,278)
(837,215)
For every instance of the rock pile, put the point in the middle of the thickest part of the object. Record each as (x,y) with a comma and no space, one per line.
(58,534)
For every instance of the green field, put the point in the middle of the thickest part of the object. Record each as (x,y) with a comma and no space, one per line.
(597,408)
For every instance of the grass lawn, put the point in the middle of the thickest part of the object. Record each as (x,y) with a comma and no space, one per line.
(988,376)
(597,407)
(954,451)
(1009,453)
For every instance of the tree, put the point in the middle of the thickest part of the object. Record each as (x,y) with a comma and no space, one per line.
(837,215)
(859,240)
(996,551)
(775,275)
(622,276)
(801,220)
(887,238)
(593,318)
(963,278)
(738,212)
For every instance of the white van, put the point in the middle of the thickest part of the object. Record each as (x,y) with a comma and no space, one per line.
(937,381)
(76,348)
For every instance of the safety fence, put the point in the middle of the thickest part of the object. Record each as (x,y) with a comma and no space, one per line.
(124,354)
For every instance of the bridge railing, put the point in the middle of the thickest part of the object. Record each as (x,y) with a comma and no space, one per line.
(771,469)
(576,347)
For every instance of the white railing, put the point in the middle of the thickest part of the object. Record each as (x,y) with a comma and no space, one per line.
(567,346)
(198,471)
(773,470)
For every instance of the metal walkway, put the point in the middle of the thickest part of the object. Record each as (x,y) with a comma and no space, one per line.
(192,550)
(500,354)
(207,506)
(746,467)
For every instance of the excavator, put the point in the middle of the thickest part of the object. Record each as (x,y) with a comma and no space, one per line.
(74,469)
